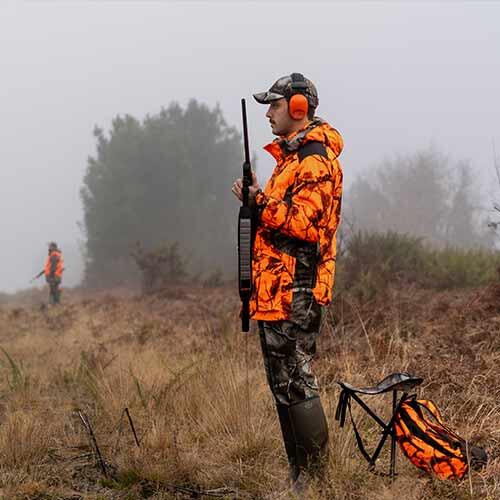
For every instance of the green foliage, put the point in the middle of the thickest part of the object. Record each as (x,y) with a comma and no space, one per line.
(374,261)
(163,179)
(160,267)
(458,268)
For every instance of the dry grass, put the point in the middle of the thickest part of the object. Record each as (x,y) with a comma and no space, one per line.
(180,365)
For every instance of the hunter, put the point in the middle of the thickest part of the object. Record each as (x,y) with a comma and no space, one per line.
(53,271)
(294,251)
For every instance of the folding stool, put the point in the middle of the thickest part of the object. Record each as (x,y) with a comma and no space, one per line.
(395,382)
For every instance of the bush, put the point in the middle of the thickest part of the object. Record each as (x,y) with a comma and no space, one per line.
(214,280)
(160,267)
(374,261)
(458,268)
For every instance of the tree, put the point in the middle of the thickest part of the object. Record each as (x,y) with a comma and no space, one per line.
(163,180)
(160,267)
(419,195)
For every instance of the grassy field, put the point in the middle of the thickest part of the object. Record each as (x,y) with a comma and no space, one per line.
(196,393)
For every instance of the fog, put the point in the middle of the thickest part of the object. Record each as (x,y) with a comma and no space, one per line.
(392,77)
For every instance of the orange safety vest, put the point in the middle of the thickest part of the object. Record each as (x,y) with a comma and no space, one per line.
(59,265)
(301,202)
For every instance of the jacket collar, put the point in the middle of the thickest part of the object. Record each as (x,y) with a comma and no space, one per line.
(285,145)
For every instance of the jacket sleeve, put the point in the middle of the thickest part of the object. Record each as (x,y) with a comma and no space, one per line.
(310,204)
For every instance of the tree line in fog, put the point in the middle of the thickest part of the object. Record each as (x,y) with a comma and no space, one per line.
(165,180)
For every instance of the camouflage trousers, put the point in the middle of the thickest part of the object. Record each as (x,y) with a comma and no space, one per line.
(288,347)
(54,290)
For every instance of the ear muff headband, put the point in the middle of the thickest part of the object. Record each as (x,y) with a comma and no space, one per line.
(298,105)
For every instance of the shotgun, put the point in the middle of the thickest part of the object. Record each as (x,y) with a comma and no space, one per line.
(37,276)
(245,232)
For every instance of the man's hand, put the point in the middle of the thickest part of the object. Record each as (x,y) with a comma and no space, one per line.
(237,189)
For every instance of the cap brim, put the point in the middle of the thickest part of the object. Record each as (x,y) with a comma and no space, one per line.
(267,97)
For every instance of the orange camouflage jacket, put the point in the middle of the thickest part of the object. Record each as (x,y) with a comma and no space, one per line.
(299,213)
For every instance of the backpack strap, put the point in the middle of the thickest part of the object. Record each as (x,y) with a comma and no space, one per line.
(431,408)
(312,148)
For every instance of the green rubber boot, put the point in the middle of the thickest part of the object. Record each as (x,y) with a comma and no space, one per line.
(310,432)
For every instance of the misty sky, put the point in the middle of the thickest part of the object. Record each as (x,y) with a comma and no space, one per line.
(392,77)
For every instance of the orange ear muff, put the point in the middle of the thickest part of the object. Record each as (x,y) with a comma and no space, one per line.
(298,106)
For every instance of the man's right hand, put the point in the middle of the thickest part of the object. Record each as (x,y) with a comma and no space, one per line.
(237,189)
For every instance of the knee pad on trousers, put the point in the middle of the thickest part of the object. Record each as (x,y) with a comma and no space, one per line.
(310,432)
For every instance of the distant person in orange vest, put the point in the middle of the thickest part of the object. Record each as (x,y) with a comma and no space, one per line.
(54,267)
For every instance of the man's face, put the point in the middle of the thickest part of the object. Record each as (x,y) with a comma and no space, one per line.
(281,122)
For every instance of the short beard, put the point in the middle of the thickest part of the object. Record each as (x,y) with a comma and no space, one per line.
(278,133)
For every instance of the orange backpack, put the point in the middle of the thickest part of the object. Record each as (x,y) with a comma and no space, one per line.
(430,444)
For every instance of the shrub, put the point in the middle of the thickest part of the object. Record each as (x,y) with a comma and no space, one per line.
(214,280)
(374,261)
(161,266)
(458,268)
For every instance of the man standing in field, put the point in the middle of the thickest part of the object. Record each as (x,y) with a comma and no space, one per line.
(294,261)
(53,270)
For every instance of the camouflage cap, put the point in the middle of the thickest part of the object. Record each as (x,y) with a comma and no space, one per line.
(282,88)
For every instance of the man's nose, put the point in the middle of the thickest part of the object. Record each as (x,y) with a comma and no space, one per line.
(268,114)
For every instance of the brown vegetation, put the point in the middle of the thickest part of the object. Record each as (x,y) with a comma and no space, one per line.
(197,395)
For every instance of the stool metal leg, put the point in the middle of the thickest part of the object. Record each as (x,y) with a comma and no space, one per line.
(388,430)
(380,445)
